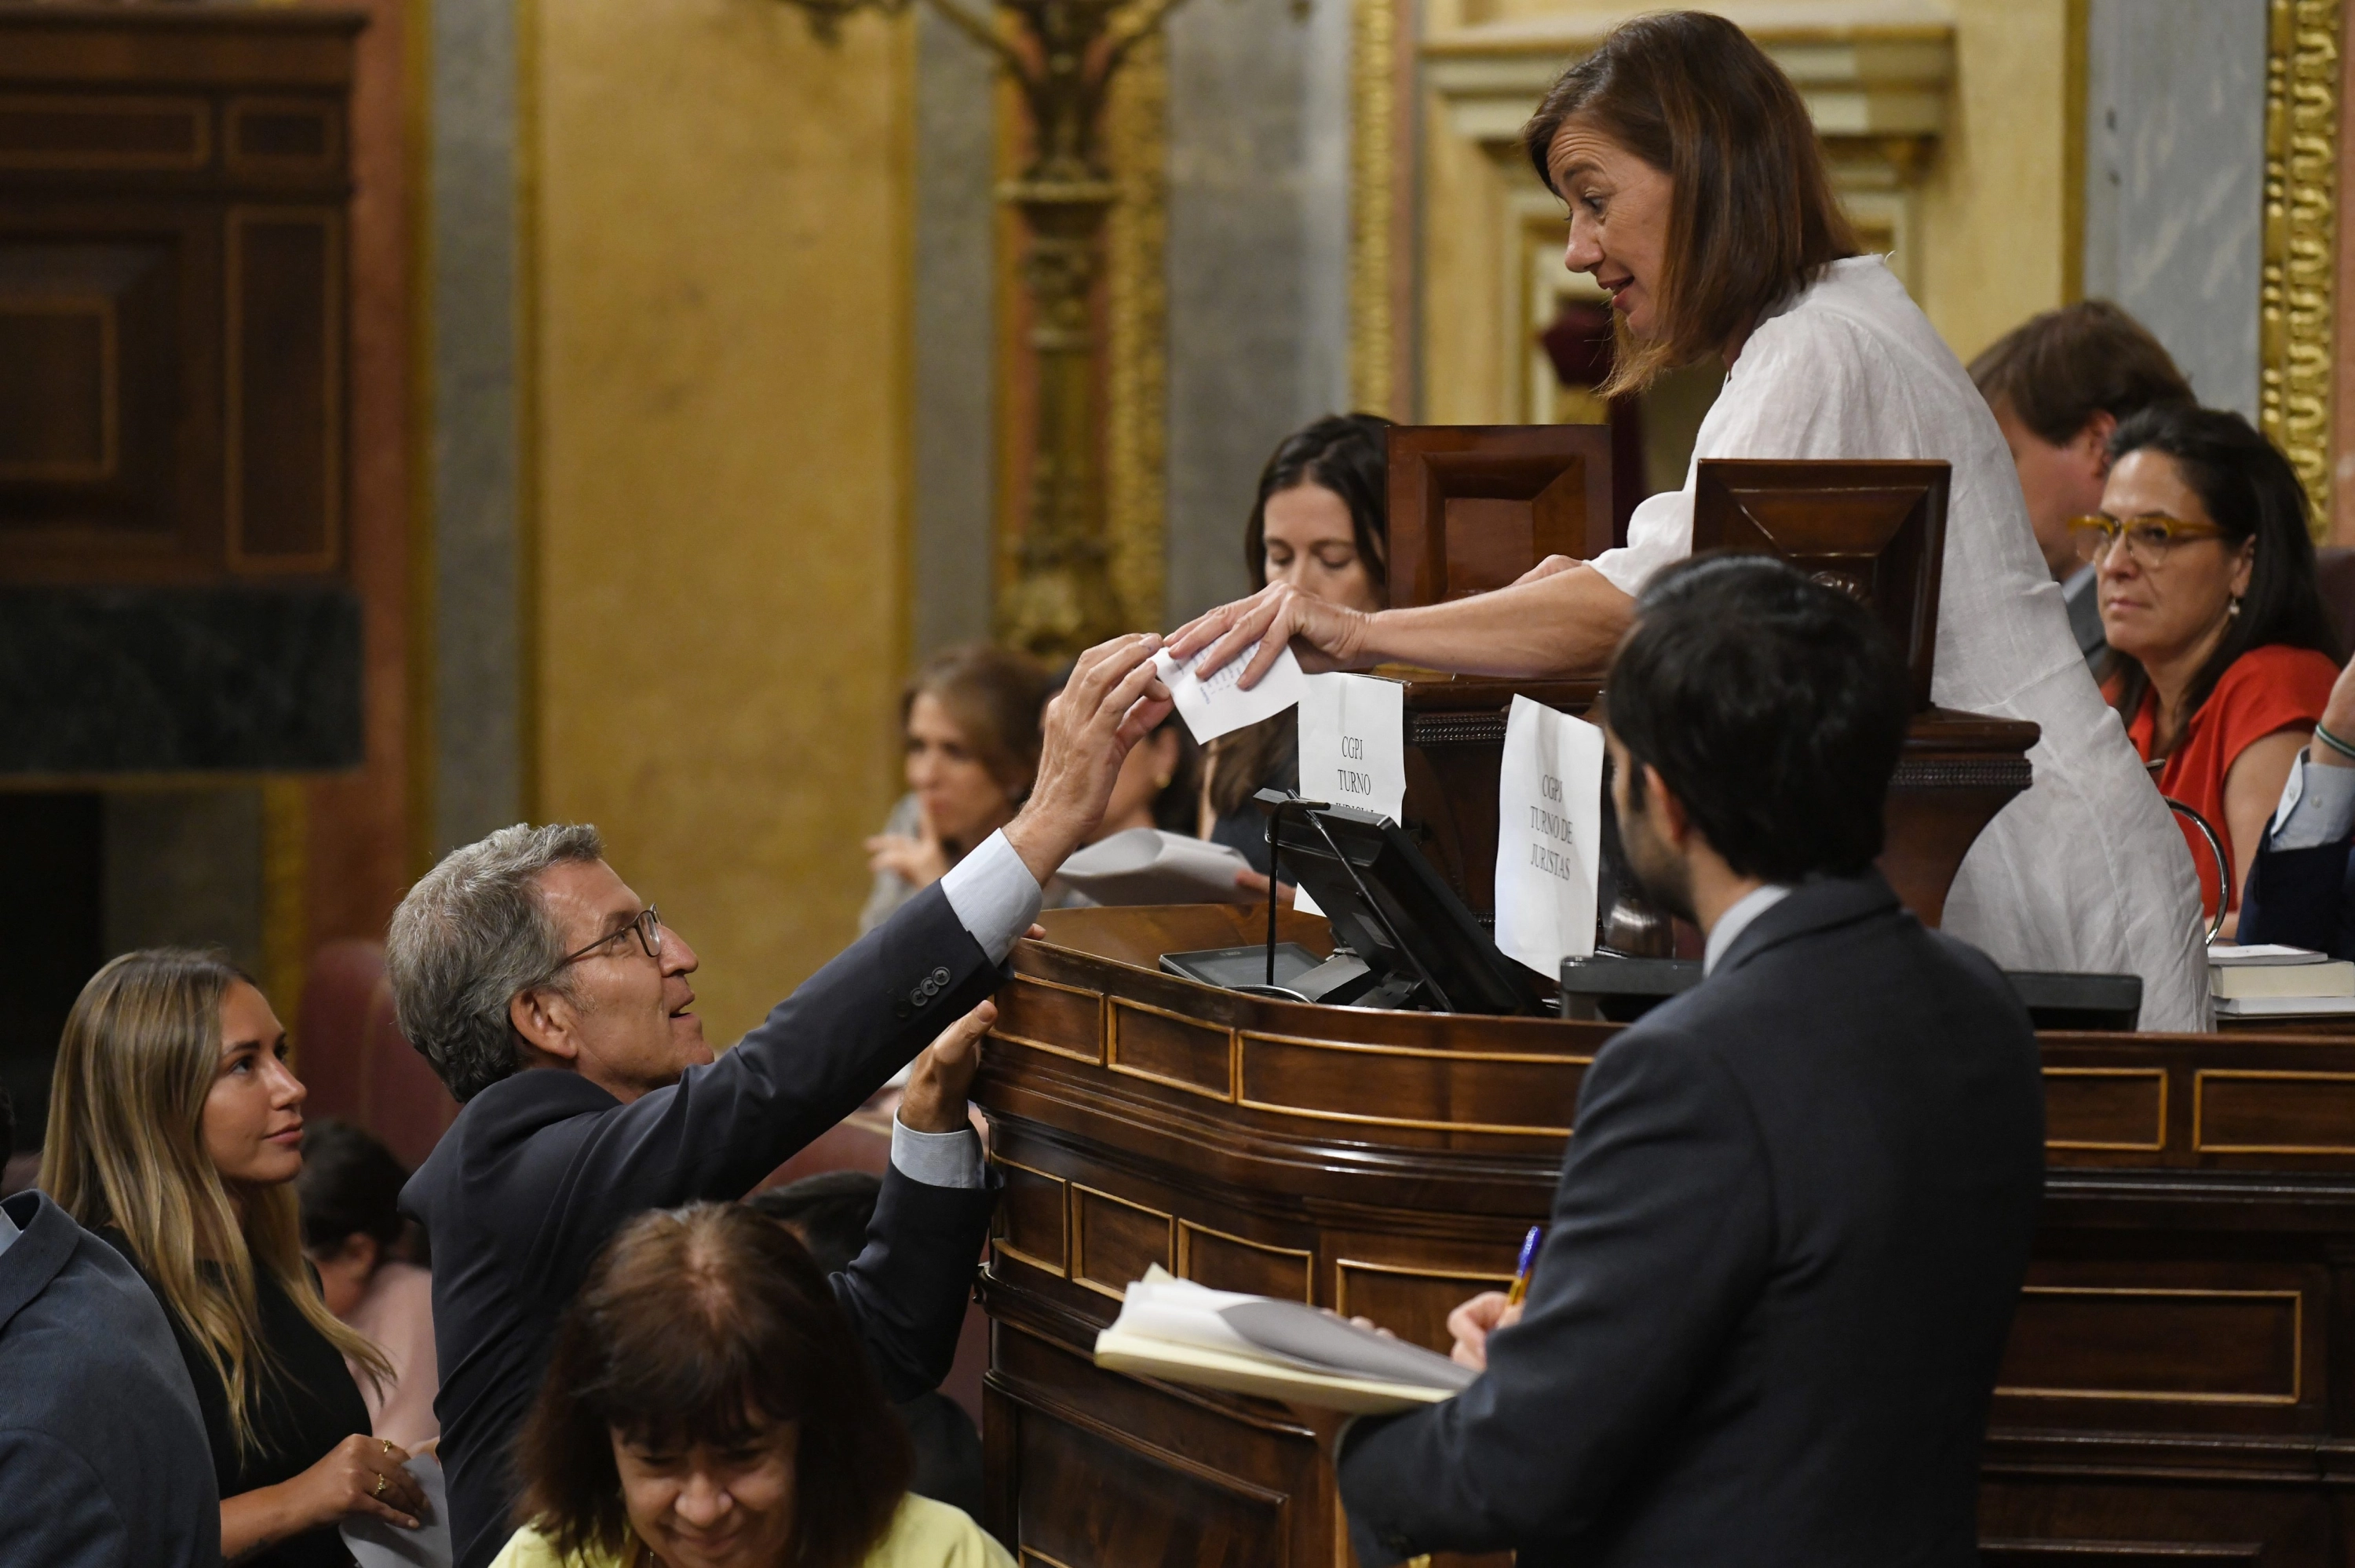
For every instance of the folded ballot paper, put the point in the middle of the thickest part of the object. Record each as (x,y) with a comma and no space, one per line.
(1182,1332)
(1212,707)
(1146,866)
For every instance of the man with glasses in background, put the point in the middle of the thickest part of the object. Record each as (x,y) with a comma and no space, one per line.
(554,1003)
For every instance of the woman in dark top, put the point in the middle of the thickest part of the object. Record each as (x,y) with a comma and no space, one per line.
(1321,523)
(175,1132)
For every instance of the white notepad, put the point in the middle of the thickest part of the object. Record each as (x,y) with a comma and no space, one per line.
(1182,1332)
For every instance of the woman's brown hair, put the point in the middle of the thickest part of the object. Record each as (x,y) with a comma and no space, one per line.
(127,1151)
(996,696)
(1753,218)
(711,1325)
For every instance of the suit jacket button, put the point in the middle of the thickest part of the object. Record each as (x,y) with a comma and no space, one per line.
(940,976)
(899,1008)
(919,998)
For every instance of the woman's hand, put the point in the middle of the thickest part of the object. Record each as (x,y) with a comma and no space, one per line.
(1325,636)
(359,1477)
(942,1079)
(919,861)
(1472,1323)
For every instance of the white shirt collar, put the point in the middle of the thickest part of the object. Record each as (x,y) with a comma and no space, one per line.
(1736,920)
(8,1230)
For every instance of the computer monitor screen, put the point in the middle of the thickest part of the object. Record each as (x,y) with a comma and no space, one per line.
(1389,904)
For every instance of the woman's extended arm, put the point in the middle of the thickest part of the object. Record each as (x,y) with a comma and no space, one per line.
(1563,625)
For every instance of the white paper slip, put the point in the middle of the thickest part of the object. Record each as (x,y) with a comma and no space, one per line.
(1212,707)
(374,1543)
(1146,865)
(2230,955)
(1353,742)
(1548,837)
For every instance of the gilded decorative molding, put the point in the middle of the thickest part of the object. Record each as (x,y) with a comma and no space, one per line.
(1373,194)
(1136,148)
(2294,326)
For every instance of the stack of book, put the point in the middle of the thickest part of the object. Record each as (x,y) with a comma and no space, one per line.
(2278,982)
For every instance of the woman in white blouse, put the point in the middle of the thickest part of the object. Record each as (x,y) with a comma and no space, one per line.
(1698,200)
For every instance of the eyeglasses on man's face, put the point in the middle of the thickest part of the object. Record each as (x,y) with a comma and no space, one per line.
(647,923)
(2149,540)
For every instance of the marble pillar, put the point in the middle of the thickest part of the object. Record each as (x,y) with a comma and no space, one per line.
(2175,169)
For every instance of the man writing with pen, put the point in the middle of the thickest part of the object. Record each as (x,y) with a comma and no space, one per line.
(1763,1324)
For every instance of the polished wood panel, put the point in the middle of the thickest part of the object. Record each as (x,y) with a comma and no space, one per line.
(2179,1386)
(1474,506)
(1875,530)
(175,293)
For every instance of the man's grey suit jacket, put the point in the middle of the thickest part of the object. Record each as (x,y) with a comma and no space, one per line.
(1787,1244)
(103,1461)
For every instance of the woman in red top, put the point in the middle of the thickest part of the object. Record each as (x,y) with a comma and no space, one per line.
(2222,654)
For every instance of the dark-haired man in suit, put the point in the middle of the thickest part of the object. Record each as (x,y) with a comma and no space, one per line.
(102,1454)
(1796,1212)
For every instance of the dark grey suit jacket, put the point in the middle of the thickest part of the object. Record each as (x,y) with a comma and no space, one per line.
(2085,623)
(104,1462)
(541,1169)
(1785,1251)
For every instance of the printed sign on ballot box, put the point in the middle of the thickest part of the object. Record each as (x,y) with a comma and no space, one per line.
(1352,747)
(1353,742)
(1549,836)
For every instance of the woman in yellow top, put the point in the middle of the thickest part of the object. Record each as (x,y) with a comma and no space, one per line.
(707,1406)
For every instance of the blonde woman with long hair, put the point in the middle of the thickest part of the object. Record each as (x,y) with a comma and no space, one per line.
(175,1132)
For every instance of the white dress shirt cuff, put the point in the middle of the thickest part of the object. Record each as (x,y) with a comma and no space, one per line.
(936,1159)
(2318,805)
(993,895)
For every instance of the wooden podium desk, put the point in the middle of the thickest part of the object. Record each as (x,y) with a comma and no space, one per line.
(2180,1387)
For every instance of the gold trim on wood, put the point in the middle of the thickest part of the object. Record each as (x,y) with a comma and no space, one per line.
(2169,1397)
(1112,1061)
(1049,1046)
(2301,204)
(1078,1235)
(1137,300)
(1244,1041)
(1373,171)
(2199,1144)
(1063,1211)
(2159,1134)
(330,221)
(196,111)
(1188,1230)
(109,386)
(1032,1554)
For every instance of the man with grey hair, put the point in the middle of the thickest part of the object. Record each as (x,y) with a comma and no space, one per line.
(554,1001)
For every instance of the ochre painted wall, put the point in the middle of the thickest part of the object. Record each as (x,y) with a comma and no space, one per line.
(719,445)
(1995,204)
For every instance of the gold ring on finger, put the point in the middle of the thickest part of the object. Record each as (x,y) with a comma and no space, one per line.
(388,1443)
(379,1484)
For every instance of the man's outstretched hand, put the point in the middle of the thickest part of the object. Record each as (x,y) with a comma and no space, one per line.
(940,1080)
(1113,700)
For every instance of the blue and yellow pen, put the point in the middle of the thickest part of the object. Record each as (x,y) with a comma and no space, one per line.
(1521,1269)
